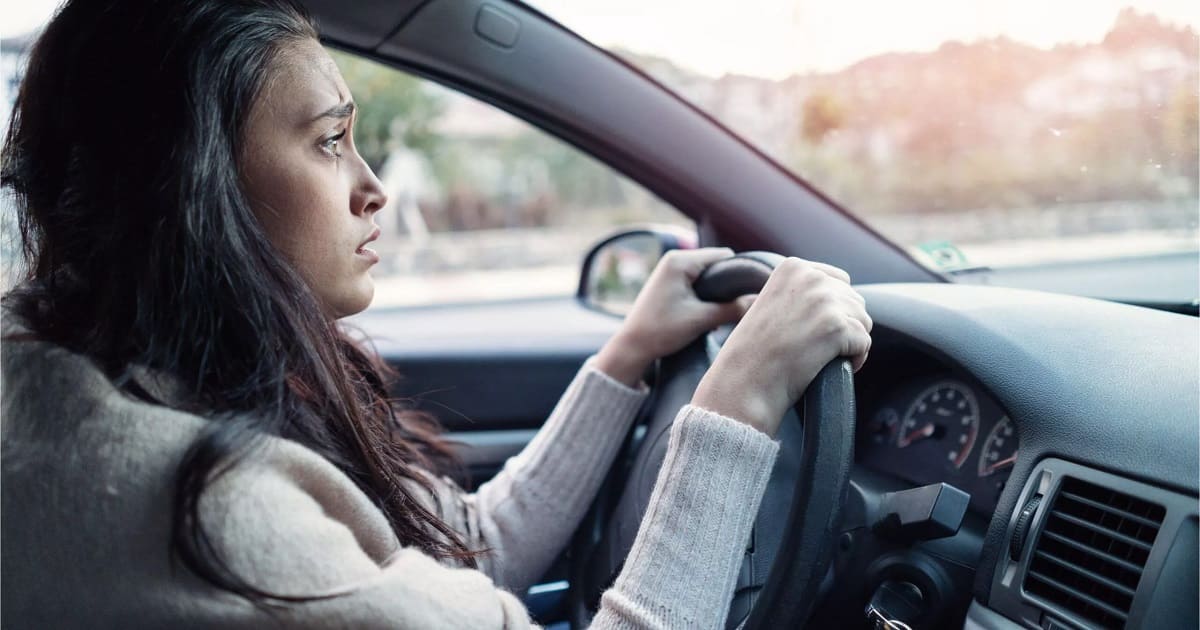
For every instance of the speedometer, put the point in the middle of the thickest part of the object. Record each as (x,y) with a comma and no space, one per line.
(946,413)
(999,448)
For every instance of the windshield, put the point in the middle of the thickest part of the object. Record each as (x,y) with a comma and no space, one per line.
(975,134)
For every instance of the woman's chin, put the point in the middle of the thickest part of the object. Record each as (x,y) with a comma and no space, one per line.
(357,299)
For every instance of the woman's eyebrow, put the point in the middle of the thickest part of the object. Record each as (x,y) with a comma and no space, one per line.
(341,110)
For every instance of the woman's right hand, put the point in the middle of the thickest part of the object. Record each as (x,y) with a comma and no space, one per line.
(806,315)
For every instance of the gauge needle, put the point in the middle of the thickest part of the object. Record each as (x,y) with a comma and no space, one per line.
(1008,461)
(919,434)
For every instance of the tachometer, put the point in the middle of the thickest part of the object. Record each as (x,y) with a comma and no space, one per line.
(999,448)
(946,412)
(883,426)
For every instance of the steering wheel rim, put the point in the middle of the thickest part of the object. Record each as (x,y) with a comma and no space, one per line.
(812,483)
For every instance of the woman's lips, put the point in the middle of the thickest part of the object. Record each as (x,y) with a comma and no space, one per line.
(367,252)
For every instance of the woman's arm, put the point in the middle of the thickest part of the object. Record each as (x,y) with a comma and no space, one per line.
(292,524)
(681,570)
(527,513)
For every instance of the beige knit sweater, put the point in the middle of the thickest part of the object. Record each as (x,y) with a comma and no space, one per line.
(86,508)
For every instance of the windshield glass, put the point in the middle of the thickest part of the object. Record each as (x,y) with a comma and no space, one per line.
(996,134)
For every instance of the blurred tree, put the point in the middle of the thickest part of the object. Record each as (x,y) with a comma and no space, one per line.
(394,109)
(1181,130)
(820,114)
(533,178)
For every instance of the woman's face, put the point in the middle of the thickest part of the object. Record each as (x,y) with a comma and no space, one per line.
(311,191)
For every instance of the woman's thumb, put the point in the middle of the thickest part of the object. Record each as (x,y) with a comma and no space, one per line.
(733,310)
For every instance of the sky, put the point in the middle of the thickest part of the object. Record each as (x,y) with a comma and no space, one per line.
(21,16)
(775,38)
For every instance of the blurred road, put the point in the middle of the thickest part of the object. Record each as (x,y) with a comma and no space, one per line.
(1173,277)
(1159,277)
(556,322)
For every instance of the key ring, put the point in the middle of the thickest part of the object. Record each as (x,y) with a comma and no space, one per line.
(883,623)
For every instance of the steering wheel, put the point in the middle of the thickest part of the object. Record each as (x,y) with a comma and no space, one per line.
(792,542)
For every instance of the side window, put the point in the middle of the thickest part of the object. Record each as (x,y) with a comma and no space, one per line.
(482,205)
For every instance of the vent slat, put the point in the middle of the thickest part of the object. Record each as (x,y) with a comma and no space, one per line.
(1140,520)
(1100,529)
(1116,612)
(1116,586)
(1124,564)
(1091,552)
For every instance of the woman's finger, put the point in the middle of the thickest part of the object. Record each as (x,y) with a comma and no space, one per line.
(692,262)
(855,308)
(718,313)
(857,344)
(860,360)
(832,271)
(734,310)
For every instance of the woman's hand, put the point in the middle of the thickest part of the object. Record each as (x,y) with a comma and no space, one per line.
(806,315)
(667,315)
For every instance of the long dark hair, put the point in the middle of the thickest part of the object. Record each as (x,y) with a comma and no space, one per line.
(123,156)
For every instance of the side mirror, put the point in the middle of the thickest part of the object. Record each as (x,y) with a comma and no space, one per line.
(617,267)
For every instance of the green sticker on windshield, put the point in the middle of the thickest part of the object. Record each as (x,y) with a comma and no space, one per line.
(944,255)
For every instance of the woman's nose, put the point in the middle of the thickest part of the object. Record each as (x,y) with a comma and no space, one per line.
(371,197)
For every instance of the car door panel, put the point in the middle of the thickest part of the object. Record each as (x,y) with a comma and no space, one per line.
(490,404)
(491,373)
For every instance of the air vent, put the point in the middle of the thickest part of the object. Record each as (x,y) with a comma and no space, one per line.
(1091,552)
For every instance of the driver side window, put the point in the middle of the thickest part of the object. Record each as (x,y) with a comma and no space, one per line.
(482,205)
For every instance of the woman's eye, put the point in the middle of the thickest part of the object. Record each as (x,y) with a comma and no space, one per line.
(333,143)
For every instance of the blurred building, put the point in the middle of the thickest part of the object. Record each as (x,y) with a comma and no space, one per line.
(12,69)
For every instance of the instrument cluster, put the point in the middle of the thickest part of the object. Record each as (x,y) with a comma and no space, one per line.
(939,428)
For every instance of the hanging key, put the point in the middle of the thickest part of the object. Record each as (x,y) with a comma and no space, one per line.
(894,605)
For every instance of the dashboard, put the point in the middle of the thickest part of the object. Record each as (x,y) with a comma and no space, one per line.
(1102,402)
(939,426)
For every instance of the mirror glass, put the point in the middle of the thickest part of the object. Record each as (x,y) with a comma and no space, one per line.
(618,269)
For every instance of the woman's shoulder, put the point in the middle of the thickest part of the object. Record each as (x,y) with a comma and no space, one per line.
(61,408)
(37,372)
(89,475)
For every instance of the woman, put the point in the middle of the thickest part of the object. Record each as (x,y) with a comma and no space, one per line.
(190,438)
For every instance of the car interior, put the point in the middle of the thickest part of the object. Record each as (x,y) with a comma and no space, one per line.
(1008,458)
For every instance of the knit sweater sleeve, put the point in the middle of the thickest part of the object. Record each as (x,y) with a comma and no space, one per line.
(526,514)
(291,524)
(684,562)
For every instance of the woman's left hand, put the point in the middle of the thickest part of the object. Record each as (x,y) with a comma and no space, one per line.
(667,315)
